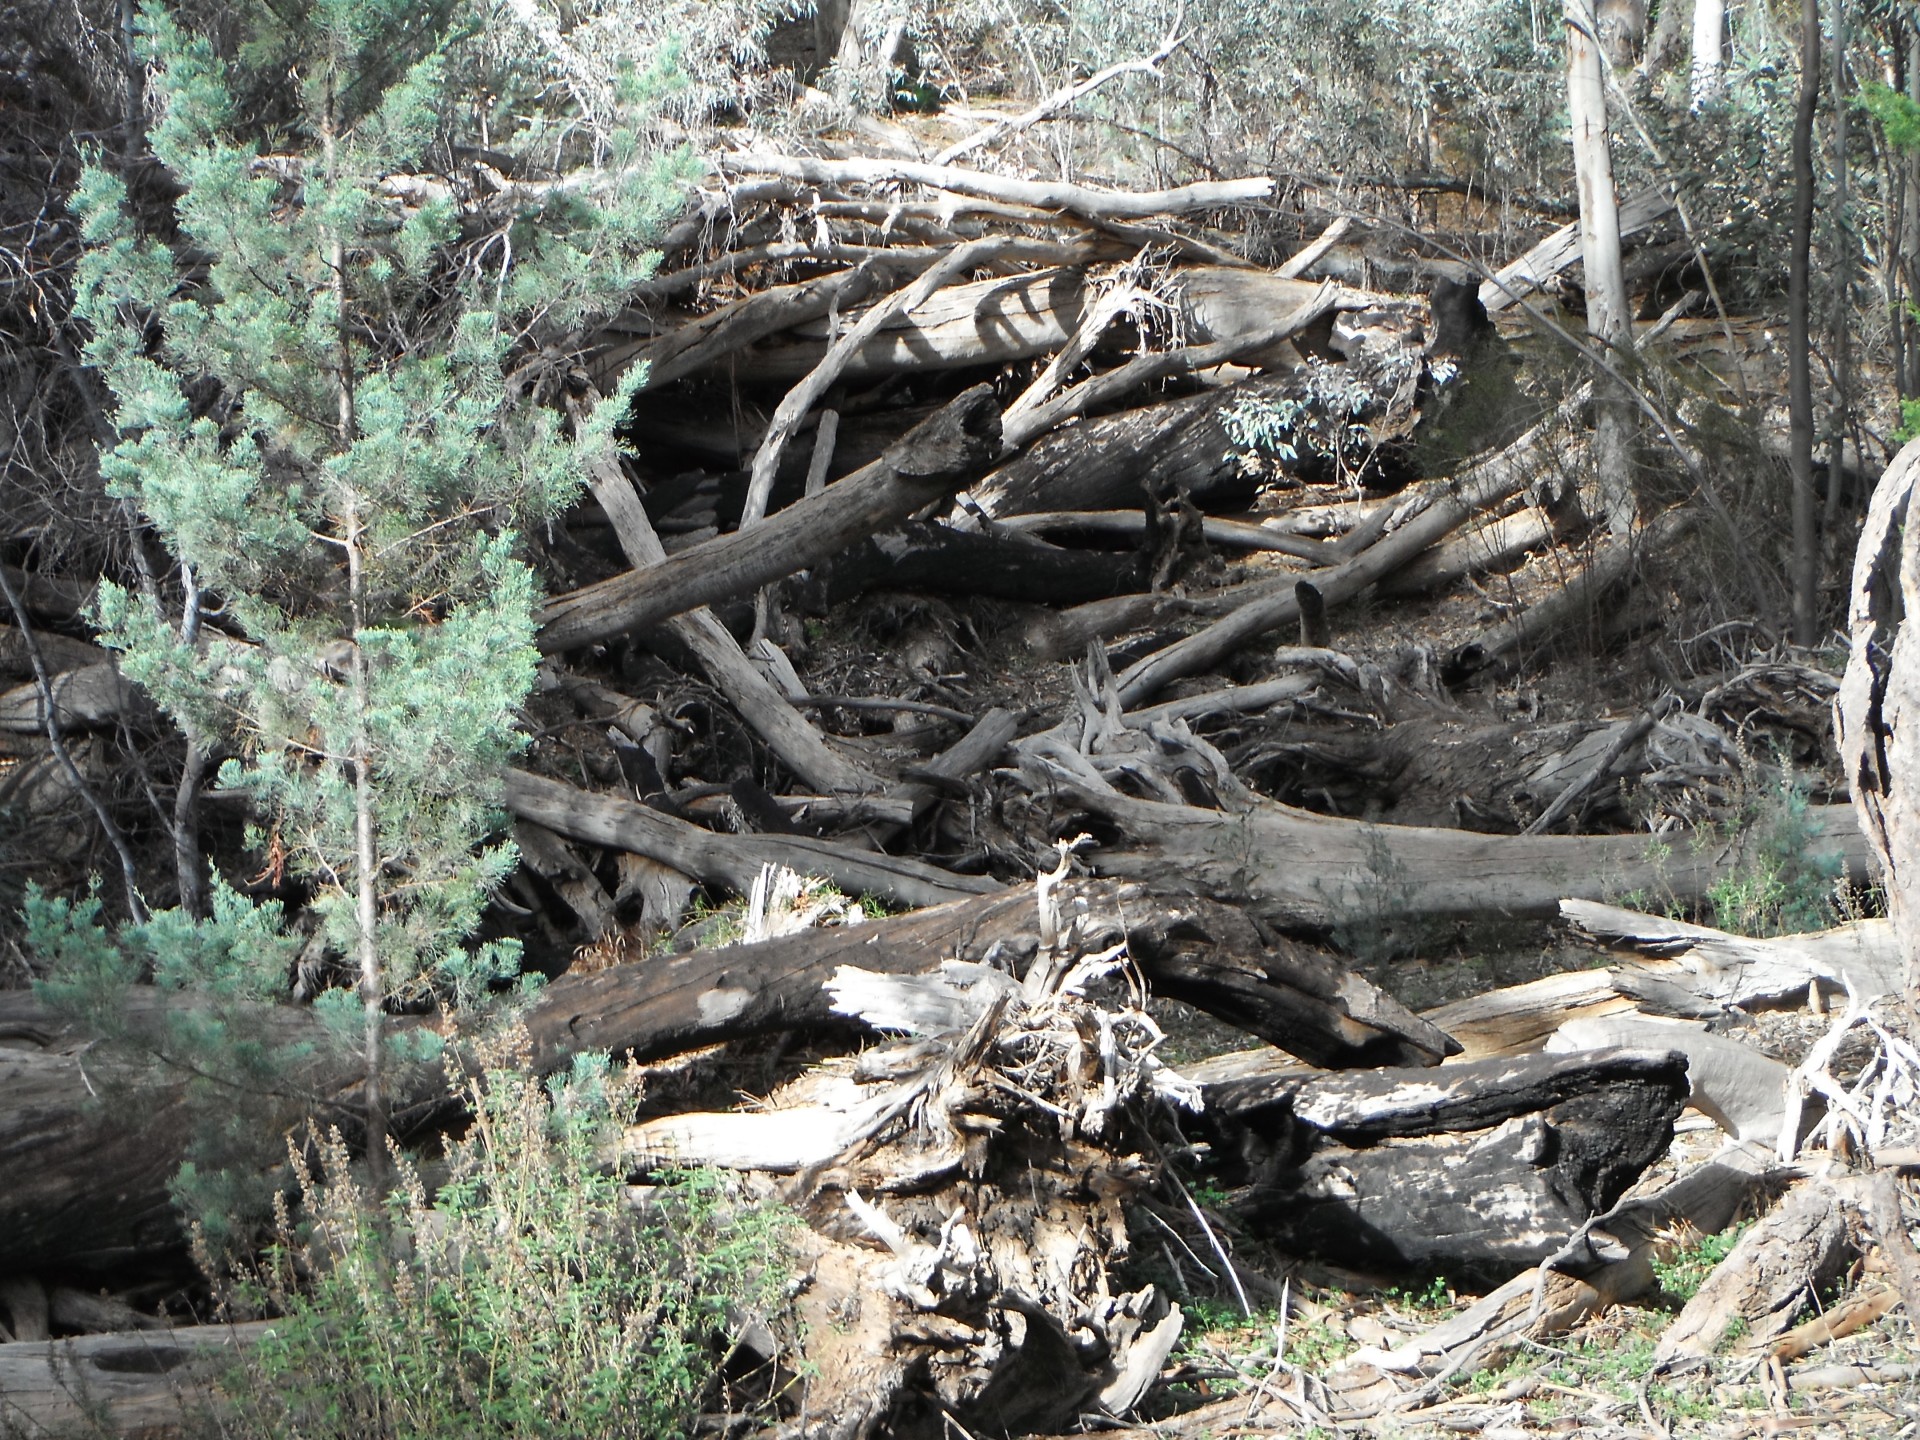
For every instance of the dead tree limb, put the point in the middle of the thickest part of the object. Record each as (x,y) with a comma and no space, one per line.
(731,860)
(800,747)
(1047,195)
(927,464)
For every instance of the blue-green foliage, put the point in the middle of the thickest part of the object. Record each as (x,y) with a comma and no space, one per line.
(334,393)
(332,370)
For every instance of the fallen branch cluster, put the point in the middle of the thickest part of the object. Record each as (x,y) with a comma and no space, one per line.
(982,422)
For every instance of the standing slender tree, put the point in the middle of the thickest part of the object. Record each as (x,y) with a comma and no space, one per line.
(326,366)
(1609,320)
(1805,563)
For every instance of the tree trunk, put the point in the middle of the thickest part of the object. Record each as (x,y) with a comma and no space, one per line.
(1704,83)
(1609,321)
(1805,574)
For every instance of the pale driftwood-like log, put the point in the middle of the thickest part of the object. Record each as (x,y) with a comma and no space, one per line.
(1731,1083)
(838,362)
(1299,868)
(1682,971)
(1233,312)
(1047,195)
(699,343)
(1545,261)
(1256,345)
(95,695)
(1778,1265)
(1740,972)
(1478,1169)
(146,1383)
(730,860)
(89,1142)
(930,462)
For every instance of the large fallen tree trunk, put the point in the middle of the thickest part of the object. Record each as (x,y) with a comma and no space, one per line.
(1298,868)
(90,1140)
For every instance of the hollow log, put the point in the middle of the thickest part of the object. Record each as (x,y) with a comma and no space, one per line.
(144,1383)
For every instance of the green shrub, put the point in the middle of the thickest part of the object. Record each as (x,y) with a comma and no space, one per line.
(527,1297)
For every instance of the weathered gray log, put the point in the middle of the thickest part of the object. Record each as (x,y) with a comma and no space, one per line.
(1047,195)
(1741,972)
(800,747)
(1449,505)
(1298,868)
(1476,1170)
(147,1383)
(89,1141)
(936,559)
(60,652)
(1250,338)
(1779,1265)
(1540,265)
(930,462)
(95,695)
(730,860)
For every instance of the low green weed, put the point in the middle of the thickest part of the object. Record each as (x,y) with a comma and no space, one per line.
(526,1297)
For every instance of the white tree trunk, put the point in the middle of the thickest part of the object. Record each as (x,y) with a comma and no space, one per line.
(1709,26)
(1608,320)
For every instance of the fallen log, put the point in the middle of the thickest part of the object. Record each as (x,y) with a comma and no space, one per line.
(1780,1264)
(60,652)
(90,1139)
(1046,195)
(931,558)
(1477,1170)
(1448,506)
(800,747)
(926,465)
(1606,1261)
(730,860)
(92,696)
(144,1383)
(1534,270)
(1297,868)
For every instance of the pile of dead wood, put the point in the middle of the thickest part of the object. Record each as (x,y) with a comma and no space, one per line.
(971,1182)
(867,377)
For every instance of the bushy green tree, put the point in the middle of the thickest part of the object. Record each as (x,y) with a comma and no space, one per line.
(328,365)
